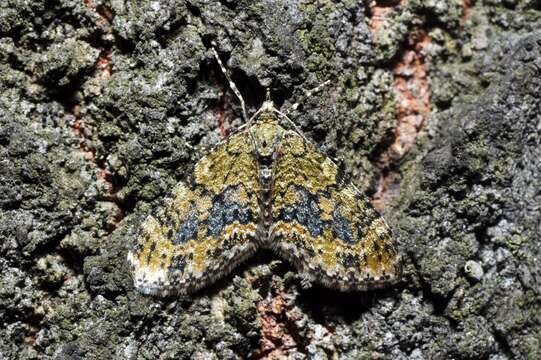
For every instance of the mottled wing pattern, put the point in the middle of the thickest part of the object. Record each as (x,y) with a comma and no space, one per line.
(324,225)
(204,228)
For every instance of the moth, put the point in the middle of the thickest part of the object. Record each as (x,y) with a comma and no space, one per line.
(265,186)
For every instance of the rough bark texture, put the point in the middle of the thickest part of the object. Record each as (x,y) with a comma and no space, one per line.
(434,110)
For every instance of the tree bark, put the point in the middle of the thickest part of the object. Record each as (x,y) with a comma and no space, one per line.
(434,111)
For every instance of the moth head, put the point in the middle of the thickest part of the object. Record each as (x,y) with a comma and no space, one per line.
(268,104)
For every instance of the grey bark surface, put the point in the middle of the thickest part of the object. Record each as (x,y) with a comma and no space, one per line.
(105,105)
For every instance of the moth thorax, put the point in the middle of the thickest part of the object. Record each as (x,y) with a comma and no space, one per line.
(267,136)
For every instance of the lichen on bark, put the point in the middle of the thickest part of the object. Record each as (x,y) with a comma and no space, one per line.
(105,105)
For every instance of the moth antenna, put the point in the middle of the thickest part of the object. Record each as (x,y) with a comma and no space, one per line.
(307,95)
(231,83)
